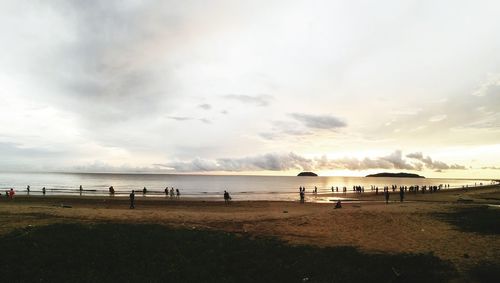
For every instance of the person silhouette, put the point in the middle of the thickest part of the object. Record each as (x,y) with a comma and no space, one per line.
(132,198)
(227,197)
(338,204)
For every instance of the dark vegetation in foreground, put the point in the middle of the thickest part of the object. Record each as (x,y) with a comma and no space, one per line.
(154,253)
(482,220)
(479,219)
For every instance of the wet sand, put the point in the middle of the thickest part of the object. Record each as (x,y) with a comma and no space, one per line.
(369,224)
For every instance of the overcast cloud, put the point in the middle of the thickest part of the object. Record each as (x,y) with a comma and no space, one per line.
(120,85)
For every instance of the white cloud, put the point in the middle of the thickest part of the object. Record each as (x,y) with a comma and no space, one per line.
(491,85)
(438,118)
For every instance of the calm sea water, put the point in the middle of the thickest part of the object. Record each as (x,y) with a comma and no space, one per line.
(210,187)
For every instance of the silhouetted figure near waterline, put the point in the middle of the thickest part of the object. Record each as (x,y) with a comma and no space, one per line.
(144,191)
(111,191)
(338,204)
(386,194)
(376,190)
(43,190)
(81,190)
(11,193)
(401,195)
(28,189)
(302,194)
(177,193)
(166,191)
(132,199)
(172,192)
(227,197)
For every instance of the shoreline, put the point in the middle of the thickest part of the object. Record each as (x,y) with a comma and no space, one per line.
(443,195)
(415,226)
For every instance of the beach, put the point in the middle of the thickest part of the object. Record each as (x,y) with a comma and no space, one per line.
(420,224)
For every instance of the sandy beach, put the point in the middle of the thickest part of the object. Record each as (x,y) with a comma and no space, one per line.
(369,224)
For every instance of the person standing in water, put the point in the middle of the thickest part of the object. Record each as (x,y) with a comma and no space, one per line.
(132,198)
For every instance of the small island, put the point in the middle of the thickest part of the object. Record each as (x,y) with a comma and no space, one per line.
(309,174)
(395,175)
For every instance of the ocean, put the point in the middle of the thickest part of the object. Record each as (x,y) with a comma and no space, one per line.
(210,187)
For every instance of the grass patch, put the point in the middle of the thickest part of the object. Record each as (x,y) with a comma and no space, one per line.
(153,253)
(479,219)
(485,272)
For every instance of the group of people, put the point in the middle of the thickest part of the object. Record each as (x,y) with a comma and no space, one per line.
(9,193)
(361,189)
(302,193)
(172,193)
(344,189)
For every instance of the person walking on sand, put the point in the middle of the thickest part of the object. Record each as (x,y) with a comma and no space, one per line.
(132,198)
(302,192)
(401,195)
(144,191)
(43,190)
(28,189)
(111,191)
(11,193)
(166,191)
(177,193)
(386,194)
(227,197)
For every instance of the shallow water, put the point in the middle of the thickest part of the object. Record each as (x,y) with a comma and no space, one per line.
(206,186)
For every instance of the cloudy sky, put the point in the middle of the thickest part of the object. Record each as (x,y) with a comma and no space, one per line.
(251,87)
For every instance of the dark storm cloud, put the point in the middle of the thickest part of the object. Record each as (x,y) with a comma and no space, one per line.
(258,100)
(319,121)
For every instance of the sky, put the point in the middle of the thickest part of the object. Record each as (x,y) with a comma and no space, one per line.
(342,88)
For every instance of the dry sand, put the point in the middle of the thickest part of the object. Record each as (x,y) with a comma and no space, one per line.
(369,224)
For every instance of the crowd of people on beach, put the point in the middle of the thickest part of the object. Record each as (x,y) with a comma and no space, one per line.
(174,193)
(386,190)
